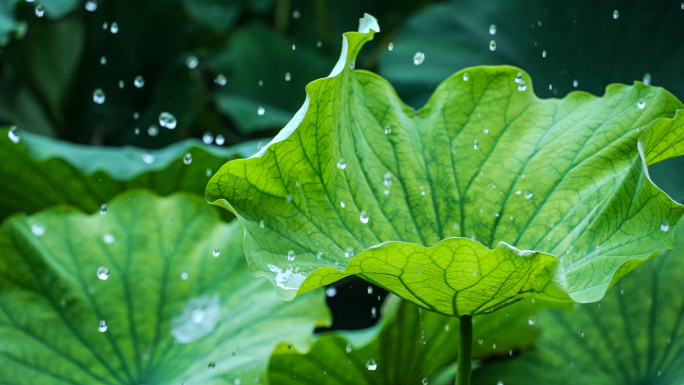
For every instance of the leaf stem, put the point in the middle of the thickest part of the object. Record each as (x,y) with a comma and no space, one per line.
(465,350)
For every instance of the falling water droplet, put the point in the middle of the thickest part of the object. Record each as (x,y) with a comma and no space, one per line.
(114,28)
(91,6)
(103,209)
(492,29)
(220,140)
(191,62)
(492,45)
(153,130)
(167,120)
(121,84)
(187,159)
(647,79)
(294,47)
(370,289)
(103,273)
(616,14)
(207,138)
(99,96)
(544,53)
(103,60)
(221,80)
(418,58)
(40,10)
(261,110)
(13,135)
(102,326)
(390,46)
(288,77)
(139,82)
(295,14)
(331,291)
(575,83)
(319,44)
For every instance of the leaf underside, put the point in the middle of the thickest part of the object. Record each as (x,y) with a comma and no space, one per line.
(484,196)
(170,307)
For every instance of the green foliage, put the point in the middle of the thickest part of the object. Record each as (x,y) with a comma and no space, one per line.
(38,172)
(555,42)
(482,197)
(155,291)
(633,336)
(408,345)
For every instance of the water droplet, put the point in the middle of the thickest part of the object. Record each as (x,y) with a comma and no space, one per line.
(261,83)
(295,14)
(528,195)
(319,44)
(191,62)
(185,276)
(147,158)
(575,83)
(341,164)
(208,172)
(212,365)
(221,80)
(371,365)
(544,53)
(466,77)
(390,46)
(103,273)
(288,77)
(532,320)
(121,84)
(518,78)
(102,326)
(476,144)
(492,29)
(616,14)
(388,129)
(291,255)
(99,96)
(665,226)
(207,138)
(387,179)
(480,341)
(261,110)
(499,382)
(216,252)
(13,135)
(522,86)
(153,130)
(40,10)
(220,140)
(108,238)
(103,60)
(288,198)
(187,159)
(425,381)
(486,130)
(418,58)
(331,291)
(91,6)
(349,252)
(105,25)
(139,81)
(136,115)
(114,28)
(348,348)
(364,217)
(103,209)
(167,120)
(342,204)
(352,64)
(294,47)
(647,79)
(374,312)
(37,230)
(641,104)
(492,45)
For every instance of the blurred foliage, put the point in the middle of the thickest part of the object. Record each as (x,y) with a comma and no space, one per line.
(212,64)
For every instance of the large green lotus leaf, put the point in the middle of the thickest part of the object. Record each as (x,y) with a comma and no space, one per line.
(173,312)
(554,41)
(632,336)
(486,195)
(408,345)
(38,172)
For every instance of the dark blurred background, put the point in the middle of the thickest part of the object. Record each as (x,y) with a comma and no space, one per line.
(100,72)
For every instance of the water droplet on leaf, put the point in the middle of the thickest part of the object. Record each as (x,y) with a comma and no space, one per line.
(103,273)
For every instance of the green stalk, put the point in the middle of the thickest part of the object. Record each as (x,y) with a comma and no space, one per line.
(465,350)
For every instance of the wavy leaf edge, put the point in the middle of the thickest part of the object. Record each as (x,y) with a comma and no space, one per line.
(368,25)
